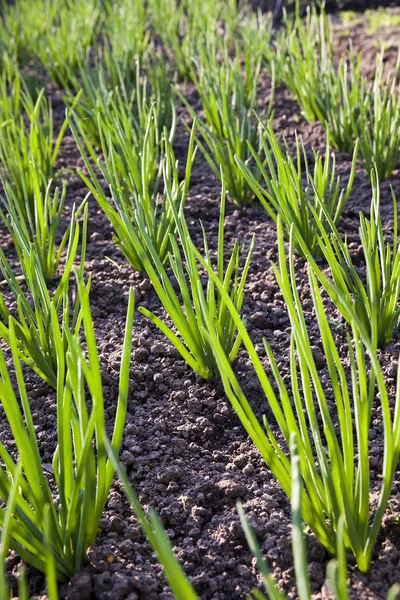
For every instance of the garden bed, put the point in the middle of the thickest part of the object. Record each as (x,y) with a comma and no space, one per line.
(184,449)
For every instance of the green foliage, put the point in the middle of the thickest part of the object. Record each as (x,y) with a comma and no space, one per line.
(180,584)
(202,309)
(67,39)
(31,329)
(5,592)
(381,18)
(344,96)
(299,196)
(112,60)
(187,27)
(27,145)
(302,58)
(39,228)
(111,93)
(54,535)
(228,104)
(368,111)
(57,32)
(371,303)
(255,29)
(127,29)
(177,32)
(31,208)
(357,108)
(334,458)
(220,152)
(348,105)
(132,173)
(10,92)
(24,24)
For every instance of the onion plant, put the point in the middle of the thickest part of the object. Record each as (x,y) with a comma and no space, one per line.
(381,18)
(24,23)
(201,308)
(110,92)
(30,327)
(15,90)
(132,174)
(228,105)
(348,105)
(53,533)
(67,40)
(302,58)
(334,451)
(237,76)
(7,522)
(366,110)
(372,303)
(27,145)
(177,31)
(337,569)
(127,28)
(101,92)
(255,30)
(40,229)
(220,151)
(10,91)
(299,195)
(23,590)
(186,27)
(180,585)
(344,94)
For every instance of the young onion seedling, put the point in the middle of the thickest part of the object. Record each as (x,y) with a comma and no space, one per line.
(121,97)
(372,305)
(67,40)
(178,31)
(255,30)
(354,108)
(23,590)
(31,326)
(229,125)
(53,535)
(29,146)
(334,452)
(201,308)
(349,106)
(127,28)
(24,25)
(132,173)
(298,197)
(187,27)
(11,88)
(41,228)
(302,58)
(367,111)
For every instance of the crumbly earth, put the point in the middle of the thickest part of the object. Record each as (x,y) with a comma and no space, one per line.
(185,451)
(330,5)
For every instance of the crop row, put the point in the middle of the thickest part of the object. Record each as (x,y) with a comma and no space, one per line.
(120,67)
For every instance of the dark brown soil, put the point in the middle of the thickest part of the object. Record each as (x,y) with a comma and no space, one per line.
(184,449)
(331,6)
